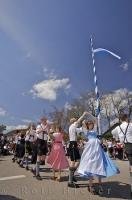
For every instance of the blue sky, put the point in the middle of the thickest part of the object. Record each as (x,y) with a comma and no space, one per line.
(45,56)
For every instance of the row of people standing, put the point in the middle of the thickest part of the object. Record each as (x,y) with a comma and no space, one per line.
(4,145)
(34,143)
(114,148)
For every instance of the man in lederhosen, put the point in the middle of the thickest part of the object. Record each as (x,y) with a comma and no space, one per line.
(30,138)
(42,131)
(123,133)
(73,150)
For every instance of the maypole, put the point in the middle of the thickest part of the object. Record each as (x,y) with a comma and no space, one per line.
(96,90)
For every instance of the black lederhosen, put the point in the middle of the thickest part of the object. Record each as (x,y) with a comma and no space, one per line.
(73,151)
(34,152)
(21,148)
(17,150)
(42,148)
(28,147)
(128,150)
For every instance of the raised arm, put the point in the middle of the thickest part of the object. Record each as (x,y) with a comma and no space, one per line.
(94,119)
(81,118)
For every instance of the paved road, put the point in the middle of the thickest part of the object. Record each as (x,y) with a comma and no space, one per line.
(18,184)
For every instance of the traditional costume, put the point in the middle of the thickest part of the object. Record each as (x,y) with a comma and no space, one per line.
(57,158)
(94,161)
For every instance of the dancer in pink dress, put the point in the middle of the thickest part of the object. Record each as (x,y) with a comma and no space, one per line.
(57,158)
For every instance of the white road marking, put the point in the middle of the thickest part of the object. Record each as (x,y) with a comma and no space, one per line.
(11,177)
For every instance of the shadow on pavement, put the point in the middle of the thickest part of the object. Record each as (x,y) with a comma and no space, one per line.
(8,197)
(117,190)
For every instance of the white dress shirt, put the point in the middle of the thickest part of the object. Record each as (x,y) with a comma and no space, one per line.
(45,129)
(31,135)
(73,131)
(119,132)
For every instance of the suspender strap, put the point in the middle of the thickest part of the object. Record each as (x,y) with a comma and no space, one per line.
(124,133)
(44,132)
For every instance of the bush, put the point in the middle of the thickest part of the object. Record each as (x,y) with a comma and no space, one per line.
(108,135)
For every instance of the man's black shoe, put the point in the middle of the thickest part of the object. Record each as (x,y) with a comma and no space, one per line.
(73,185)
(38,177)
(27,168)
(18,162)
(21,165)
(74,179)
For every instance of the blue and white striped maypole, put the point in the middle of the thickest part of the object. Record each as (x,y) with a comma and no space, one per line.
(95,80)
(96,90)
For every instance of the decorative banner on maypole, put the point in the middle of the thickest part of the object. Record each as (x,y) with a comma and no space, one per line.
(106,51)
(95,80)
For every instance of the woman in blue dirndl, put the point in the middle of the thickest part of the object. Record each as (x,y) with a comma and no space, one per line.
(94,161)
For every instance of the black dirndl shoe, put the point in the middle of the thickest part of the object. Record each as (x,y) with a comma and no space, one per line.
(91,189)
(100,190)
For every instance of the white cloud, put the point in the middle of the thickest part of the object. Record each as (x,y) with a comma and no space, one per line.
(125,66)
(2,112)
(50,74)
(28,55)
(26,121)
(23,93)
(120,99)
(67,106)
(48,89)
(10,128)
